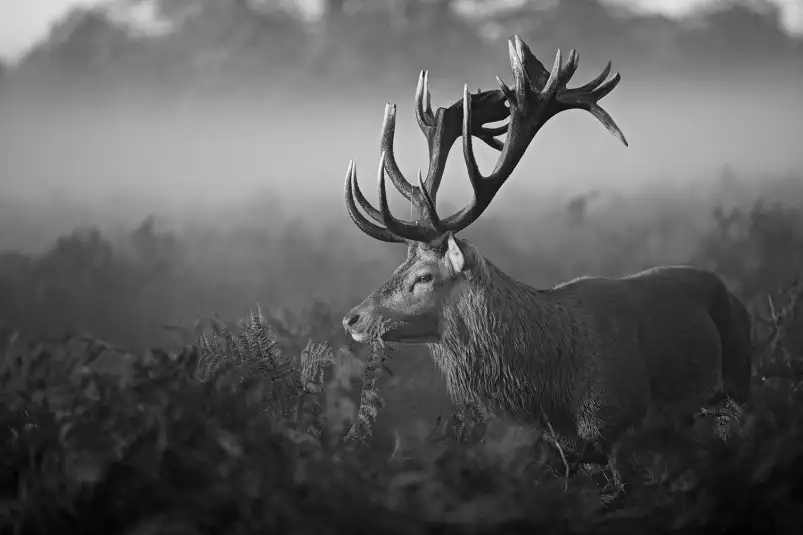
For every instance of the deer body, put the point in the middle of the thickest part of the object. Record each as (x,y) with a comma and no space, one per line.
(592,356)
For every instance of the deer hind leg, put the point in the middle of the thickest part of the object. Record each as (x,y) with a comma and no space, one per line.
(735,337)
(592,459)
(615,454)
(613,492)
(591,453)
(577,456)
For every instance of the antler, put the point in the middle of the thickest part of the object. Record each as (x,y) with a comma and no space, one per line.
(537,96)
(441,129)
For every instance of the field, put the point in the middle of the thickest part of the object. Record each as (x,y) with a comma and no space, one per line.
(175,261)
(123,414)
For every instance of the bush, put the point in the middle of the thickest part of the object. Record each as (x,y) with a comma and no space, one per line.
(220,437)
(230,434)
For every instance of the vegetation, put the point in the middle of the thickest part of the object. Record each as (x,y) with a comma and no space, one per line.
(223,431)
(133,401)
(195,48)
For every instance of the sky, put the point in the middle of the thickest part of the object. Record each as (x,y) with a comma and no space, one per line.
(23,22)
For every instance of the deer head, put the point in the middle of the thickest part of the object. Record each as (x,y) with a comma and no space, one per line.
(409,306)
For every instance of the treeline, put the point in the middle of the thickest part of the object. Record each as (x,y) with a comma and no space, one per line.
(253,48)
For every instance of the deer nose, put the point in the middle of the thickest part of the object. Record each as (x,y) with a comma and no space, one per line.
(351,320)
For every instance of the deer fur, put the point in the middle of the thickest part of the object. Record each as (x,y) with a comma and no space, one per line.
(594,355)
(586,359)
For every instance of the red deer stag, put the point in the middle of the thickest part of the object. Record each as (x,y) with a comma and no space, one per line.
(589,357)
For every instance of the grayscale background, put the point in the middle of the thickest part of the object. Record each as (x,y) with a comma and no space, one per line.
(167,160)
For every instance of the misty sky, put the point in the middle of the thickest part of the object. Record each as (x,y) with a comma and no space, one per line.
(23,22)
(196,162)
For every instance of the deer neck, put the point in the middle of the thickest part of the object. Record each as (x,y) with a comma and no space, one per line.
(501,340)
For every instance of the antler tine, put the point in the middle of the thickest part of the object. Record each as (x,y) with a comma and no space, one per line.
(489,107)
(552,82)
(441,128)
(587,96)
(364,203)
(396,176)
(427,96)
(423,103)
(375,231)
(430,203)
(568,70)
(484,188)
(596,81)
(537,96)
(402,229)
(430,124)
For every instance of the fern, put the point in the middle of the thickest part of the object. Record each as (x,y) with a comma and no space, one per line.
(313,359)
(293,389)
(371,402)
(781,320)
(465,425)
(776,360)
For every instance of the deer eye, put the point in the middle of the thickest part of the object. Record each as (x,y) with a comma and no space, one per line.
(425,278)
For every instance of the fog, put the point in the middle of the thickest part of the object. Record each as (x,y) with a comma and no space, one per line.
(234,130)
(227,158)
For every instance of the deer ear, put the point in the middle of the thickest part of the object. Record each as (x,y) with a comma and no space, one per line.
(455,255)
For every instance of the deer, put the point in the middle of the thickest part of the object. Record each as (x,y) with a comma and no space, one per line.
(591,357)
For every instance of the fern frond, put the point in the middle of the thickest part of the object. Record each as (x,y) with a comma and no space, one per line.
(371,403)
(266,343)
(292,391)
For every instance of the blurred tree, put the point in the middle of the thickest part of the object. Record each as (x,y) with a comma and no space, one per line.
(85,48)
(352,42)
(271,46)
(334,8)
(724,34)
(739,34)
(226,41)
(86,39)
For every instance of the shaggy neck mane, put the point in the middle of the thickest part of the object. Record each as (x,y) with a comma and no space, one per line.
(499,340)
